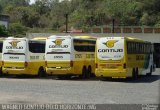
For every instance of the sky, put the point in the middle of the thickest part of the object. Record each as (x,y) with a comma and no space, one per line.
(32,1)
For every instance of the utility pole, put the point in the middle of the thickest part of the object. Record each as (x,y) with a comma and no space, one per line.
(113,23)
(66,16)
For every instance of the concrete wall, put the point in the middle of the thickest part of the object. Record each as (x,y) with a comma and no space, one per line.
(152,37)
(4,20)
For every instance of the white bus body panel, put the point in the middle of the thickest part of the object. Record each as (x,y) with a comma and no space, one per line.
(58,49)
(14,50)
(110,48)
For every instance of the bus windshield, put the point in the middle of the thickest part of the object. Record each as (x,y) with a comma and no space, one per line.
(58,49)
(110,48)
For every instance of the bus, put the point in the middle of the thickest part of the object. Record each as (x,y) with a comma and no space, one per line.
(1,45)
(67,56)
(22,56)
(122,57)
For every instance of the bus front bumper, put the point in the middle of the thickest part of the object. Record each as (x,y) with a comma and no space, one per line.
(59,71)
(111,73)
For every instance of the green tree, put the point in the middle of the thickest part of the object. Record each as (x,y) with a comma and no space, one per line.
(3,31)
(84,14)
(17,30)
(0,8)
(42,6)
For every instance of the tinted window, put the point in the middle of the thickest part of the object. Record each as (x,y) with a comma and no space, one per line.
(1,46)
(84,41)
(84,45)
(84,48)
(138,48)
(37,46)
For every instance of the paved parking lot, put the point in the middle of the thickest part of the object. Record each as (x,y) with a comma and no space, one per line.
(93,91)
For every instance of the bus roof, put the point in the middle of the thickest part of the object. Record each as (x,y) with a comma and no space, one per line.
(127,38)
(10,38)
(73,37)
(136,39)
(39,38)
(86,37)
(57,36)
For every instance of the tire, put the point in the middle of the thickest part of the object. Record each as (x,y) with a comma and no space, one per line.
(84,73)
(68,77)
(89,72)
(102,78)
(105,78)
(137,72)
(41,72)
(1,73)
(134,73)
(61,77)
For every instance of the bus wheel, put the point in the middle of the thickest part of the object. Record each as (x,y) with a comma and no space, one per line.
(150,73)
(89,72)
(61,77)
(68,77)
(135,73)
(1,74)
(84,72)
(41,72)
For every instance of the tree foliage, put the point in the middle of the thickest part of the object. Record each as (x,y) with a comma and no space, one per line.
(83,14)
(3,31)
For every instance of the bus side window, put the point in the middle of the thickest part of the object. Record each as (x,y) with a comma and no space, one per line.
(37,47)
(84,45)
(134,47)
(84,48)
(148,48)
(1,46)
(129,47)
(137,47)
(141,48)
(91,48)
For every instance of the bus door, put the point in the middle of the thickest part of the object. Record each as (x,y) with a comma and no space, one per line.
(110,52)
(14,51)
(58,52)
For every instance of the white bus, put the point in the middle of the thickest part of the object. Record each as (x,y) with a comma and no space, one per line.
(66,56)
(23,56)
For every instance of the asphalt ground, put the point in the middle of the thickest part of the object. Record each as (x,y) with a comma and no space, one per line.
(32,90)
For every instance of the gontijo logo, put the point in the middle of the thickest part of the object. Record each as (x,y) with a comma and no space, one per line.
(110,43)
(14,45)
(58,44)
(58,41)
